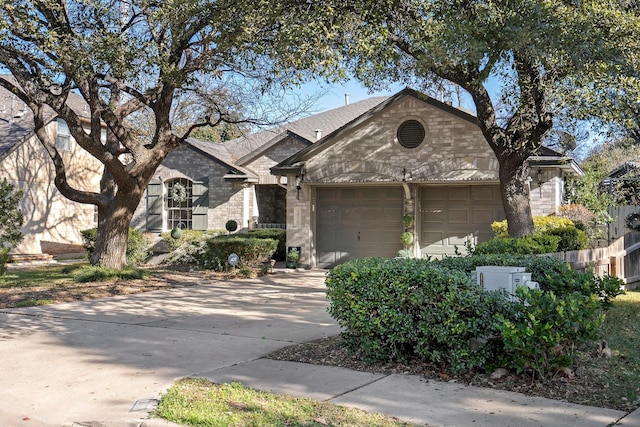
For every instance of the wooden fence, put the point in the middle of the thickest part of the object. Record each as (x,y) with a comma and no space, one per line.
(621,259)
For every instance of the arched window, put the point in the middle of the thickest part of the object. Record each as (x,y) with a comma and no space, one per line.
(179,203)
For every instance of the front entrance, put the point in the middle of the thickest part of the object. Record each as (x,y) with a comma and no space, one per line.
(357,222)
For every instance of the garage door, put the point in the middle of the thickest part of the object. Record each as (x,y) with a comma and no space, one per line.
(453,215)
(357,222)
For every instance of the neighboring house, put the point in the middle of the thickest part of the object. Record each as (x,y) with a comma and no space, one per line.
(410,154)
(52,223)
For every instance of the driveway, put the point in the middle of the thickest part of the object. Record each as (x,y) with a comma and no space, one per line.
(109,360)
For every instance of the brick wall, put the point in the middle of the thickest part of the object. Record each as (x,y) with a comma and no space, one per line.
(226,199)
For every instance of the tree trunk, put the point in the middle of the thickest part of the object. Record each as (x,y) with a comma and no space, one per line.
(515,197)
(113,230)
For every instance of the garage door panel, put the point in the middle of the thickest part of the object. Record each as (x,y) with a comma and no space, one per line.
(462,213)
(362,221)
(432,238)
(484,216)
(485,194)
(458,216)
(433,193)
(458,193)
(435,216)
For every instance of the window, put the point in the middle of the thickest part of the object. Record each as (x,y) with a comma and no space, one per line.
(179,204)
(411,134)
(63,137)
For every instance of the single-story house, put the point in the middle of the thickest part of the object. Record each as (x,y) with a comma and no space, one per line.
(339,181)
(52,223)
(232,180)
(409,154)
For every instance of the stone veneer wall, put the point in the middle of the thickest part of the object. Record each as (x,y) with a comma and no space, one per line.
(226,199)
(454,150)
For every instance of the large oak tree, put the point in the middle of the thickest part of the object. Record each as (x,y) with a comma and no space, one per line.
(544,57)
(132,61)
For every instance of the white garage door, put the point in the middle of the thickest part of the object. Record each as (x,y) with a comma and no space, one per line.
(453,215)
(357,222)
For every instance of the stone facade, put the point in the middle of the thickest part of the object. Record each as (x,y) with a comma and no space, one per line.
(453,153)
(226,199)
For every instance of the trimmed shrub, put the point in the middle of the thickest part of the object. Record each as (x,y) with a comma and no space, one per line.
(396,309)
(541,224)
(406,238)
(525,245)
(98,274)
(544,337)
(278,234)
(4,260)
(231,225)
(137,245)
(553,274)
(571,238)
(252,251)
(188,236)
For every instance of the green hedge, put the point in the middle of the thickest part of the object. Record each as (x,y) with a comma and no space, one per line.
(189,236)
(543,244)
(395,309)
(541,224)
(278,234)
(553,274)
(400,309)
(571,238)
(252,251)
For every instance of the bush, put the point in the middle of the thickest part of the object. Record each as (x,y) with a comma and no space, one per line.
(571,238)
(188,236)
(11,220)
(137,245)
(552,274)
(395,309)
(252,251)
(524,245)
(231,226)
(4,260)
(541,224)
(543,338)
(278,234)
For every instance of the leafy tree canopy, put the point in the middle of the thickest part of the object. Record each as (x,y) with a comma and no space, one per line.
(550,57)
(133,62)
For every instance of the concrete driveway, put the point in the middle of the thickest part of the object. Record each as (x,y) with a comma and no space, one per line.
(108,360)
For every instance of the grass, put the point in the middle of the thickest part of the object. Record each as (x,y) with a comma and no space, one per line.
(36,276)
(50,284)
(199,402)
(618,378)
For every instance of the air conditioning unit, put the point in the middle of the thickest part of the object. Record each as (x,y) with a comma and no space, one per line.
(493,278)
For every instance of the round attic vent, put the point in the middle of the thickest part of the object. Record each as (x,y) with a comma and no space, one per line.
(411,134)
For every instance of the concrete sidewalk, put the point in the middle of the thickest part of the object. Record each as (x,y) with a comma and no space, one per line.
(106,362)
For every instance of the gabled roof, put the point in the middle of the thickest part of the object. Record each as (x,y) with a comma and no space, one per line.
(545,156)
(294,163)
(219,153)
(247,148)
(16,119)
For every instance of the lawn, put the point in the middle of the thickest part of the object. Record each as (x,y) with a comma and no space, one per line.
(198,402)
(55,283)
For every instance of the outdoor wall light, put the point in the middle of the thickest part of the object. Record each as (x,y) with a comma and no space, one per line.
(539,177)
